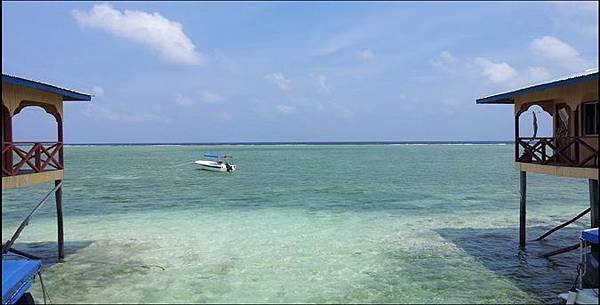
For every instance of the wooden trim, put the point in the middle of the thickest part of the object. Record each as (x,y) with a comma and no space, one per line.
(562,171)
(25,180)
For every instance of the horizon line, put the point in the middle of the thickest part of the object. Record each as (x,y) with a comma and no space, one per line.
(297,143)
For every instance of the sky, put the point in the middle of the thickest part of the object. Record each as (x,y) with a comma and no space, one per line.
(290,71)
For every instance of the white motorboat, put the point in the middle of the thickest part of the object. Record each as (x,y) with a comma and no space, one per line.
(580,296)
(219,163)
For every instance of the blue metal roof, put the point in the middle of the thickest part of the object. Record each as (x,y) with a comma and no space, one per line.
(68,95)
(508,97)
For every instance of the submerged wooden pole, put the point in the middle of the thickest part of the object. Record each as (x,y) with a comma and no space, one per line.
(522,208)
(59,220)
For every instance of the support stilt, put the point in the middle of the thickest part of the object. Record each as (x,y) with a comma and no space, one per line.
(59,220)
(594,205)
(590,277)
(522,209)
(595,214)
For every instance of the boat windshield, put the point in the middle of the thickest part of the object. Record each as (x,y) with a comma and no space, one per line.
(219,156)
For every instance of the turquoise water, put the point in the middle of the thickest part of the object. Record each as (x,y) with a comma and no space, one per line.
(300,223)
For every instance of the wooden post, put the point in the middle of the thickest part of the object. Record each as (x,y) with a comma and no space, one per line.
(595,222)
(7,138)
(516,137)
(522,209)
(576,134)
(59,220)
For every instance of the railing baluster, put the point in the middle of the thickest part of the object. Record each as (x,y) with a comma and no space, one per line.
(61,160)
(32,155)
(552,151)
(544,157)
(38,157)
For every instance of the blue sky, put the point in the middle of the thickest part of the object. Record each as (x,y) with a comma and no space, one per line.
(290,71)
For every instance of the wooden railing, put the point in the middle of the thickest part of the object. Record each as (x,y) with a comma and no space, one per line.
(25,157)
(566,151)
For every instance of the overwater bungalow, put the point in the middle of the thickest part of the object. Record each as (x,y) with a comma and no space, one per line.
(30,163)
(572,148)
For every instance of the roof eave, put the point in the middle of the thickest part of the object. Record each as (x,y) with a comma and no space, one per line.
(509,97)
(67,95)
(492,100)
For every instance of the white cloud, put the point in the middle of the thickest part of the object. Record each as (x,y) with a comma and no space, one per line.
(495,72)
(444,61)
(211,97)
(537,74)
(97,91)
(556,51)
(183,100)
(152,30)
(103,113)
(285,109)
(206,96)
(279,80)
(341,110)
(590,7)
(319,106)
(581,17)
(321,82)
(342,40)
(447,57)
(221,116)
(366,55)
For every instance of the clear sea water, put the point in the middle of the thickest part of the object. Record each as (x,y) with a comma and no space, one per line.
(300,223)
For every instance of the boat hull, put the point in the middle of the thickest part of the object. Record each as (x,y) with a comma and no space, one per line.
(214,166)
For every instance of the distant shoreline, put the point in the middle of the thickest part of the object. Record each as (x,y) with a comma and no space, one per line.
(298,143)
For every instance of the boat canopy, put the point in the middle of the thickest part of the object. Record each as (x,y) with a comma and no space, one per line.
(218,156)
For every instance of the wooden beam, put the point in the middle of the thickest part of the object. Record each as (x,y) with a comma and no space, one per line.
(561,250)
(23,180)
(522,208)
(59,220)
(563,224)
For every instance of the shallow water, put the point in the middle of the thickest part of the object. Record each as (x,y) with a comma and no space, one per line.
(304,223)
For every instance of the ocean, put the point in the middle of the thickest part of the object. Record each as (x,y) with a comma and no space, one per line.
(403,223)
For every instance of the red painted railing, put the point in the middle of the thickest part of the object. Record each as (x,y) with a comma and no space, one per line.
(25,157)
(572,151)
